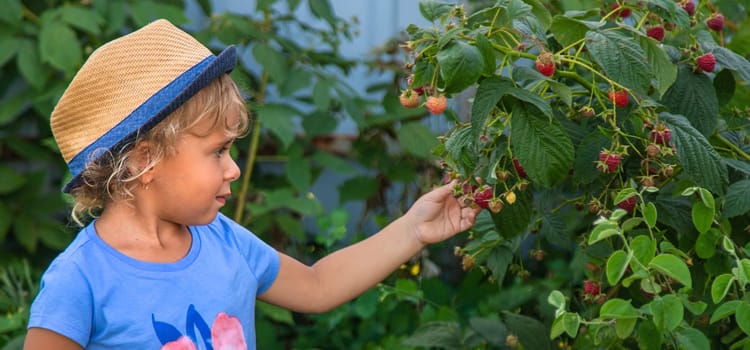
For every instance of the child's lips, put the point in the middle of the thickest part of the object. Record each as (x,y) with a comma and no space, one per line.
(222,199)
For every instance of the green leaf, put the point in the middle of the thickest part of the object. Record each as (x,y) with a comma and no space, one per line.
(567,30)
(10,45)
(322,94)
(649,213)
(554,230)
(693,96)
(602,231)
(530,331)
(514,219)
(703,217)
(332,162)
(743,317)
(744,270)
(417,139)
(720,286)
(322,9)
(145,12)
(705,244)
(587,153)
(272,61)
(492,330)
(624,327)
(6,218)
(643,248)
(442,334)
(568,322)
(673,267)
(725,86)
(12,12)
(725,310)
(737,201)
(319,123)
(665,72)
(30,64)
(732,60)
(299,173)
(649,338)
(624,194)
(701,162)
(26,231)
(617,308)
(279,119)
(460,64)
(616,266)
(83,18)
(498,261)
(58,45)
(489,92)
(357,188)
(432,10)
(10,180)
(556,299)
(689,338)
(541,145)
(621,58)
(668,312)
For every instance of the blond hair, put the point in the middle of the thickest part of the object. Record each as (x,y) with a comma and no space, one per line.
(113,176)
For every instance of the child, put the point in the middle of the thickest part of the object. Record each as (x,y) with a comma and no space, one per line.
(145,127)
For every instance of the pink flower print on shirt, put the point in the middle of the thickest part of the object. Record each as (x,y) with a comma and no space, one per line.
(227,334)
(183,343)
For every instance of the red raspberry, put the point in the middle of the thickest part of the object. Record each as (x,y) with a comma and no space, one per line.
(619,98)
(628,204)
(436,104)
(661,134)
(623,13)
(656,32)
(688,6)
(545,64)
(706,62)
(591,287)
(519,169)
(409,99)
(716,22)
(483,196)
(608,162)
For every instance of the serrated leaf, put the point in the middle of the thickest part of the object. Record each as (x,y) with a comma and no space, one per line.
(665,72)
(673,267)
(514,219)
(541,145)
(498,261)
(567,30)
(417,139)
(700,160)
(493,330)
(530,331)
(461,64)
(271,60)
(553,230)
(731,60)
(587,153)
(279,119)
(720,286)
(668,312)
(432,10)
(616,266)
(693,96)
(489,92)
(737,200)
(441,334)
(621,58)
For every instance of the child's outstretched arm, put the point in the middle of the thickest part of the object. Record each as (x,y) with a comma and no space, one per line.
(346,273)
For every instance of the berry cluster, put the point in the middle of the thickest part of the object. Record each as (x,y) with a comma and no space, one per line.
(411,98)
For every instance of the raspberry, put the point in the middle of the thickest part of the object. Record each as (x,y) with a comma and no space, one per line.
(656,32)
(627,204)
(591,287)
(586,112)
(688,6)
(661,134)
(619,98)
(409,98)
(716,22)
(510,197)
(436,104)
(519,169)
(545,64)
(706,62)
(623,13)
(495,205)
(483,196)
(409,81)
(608,162)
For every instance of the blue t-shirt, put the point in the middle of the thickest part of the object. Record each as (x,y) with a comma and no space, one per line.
(103,299)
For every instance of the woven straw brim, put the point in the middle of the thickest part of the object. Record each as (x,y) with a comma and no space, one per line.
(127,86)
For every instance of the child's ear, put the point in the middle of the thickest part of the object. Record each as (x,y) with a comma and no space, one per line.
(141,162)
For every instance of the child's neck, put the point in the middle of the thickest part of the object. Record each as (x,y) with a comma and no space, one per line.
(140,237)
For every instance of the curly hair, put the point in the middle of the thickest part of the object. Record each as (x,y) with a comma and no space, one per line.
(114,175)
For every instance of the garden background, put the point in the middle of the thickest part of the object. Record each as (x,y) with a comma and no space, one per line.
(612,159)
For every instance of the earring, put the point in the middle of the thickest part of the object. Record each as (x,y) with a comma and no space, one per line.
(145,186)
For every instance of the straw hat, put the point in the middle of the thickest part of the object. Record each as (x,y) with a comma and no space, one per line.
(129,85)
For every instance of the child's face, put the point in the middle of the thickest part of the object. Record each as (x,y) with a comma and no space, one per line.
(192,185)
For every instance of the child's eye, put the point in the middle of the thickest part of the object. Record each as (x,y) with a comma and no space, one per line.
(221,151)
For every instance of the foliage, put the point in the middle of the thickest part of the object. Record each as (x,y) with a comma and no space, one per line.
(619,175)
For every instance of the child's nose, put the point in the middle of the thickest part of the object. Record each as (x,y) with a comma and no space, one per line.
(233,170)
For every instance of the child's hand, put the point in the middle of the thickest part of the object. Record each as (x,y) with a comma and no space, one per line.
(438,215)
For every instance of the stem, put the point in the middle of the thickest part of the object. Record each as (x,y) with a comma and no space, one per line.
(251,155)
(733,147)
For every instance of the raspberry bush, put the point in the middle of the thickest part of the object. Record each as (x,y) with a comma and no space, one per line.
(628,223)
